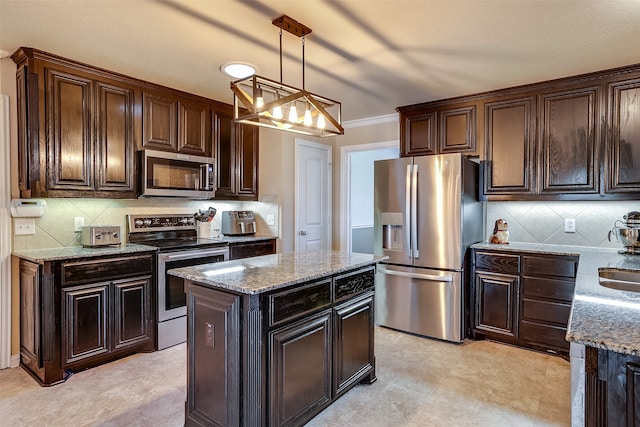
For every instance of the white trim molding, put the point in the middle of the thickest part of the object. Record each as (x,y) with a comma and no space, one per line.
(5,237)
(345,185)
(368,121)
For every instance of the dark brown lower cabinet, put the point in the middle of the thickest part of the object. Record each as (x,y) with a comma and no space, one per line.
(523,298)
(76,314)
(251,249)
(300,370)
(281,357)
(612,389)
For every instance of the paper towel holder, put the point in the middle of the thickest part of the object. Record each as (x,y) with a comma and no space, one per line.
(28,208)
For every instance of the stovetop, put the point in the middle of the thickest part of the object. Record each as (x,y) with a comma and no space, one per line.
(167,232)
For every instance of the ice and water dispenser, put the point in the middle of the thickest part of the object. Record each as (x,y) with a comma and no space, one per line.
(392,229)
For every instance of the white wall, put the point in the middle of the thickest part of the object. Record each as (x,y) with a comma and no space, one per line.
(543,222)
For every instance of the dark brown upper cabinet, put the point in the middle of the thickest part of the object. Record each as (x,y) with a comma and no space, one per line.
(570,141)
(76,131)
(80,127)
(236,157)
(623,152)
(575,138)
(510,146)
(171,123)
(437,130)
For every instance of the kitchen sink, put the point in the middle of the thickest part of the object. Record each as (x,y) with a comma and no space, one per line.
(622,280)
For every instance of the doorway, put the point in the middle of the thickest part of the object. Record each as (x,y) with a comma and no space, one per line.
(313,196)
(356,229)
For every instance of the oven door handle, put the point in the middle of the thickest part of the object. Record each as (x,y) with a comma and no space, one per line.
(178,256)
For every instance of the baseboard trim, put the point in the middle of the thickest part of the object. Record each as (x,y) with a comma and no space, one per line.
(15,360)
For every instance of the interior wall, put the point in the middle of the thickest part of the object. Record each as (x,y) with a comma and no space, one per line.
(8,87)
(543,222)
(384,128)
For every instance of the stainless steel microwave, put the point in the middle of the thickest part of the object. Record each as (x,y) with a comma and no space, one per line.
(166,174)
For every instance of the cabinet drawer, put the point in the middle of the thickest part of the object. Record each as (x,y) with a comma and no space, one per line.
(549,265)
(99,270)
(246,250)
(292,303)
(556,289)
(499,263)
(547,312)
(354,283)
(544,334)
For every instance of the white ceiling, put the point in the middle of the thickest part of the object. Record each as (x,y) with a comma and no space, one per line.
(372,55)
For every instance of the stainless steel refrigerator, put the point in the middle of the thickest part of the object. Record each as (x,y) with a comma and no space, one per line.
(427,214)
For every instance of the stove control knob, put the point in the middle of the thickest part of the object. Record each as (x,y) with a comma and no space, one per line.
(138,223)
(147,222)
(183,220)
(192,221)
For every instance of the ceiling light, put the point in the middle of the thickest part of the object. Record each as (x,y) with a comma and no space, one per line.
(322,116)
(238,70)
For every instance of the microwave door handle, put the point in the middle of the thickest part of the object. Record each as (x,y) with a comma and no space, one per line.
(204,177)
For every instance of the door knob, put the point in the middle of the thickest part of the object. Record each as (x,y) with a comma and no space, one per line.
(303,233)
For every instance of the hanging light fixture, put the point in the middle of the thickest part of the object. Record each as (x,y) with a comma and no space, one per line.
(264,102)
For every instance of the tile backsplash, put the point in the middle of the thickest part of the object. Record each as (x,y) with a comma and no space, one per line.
(55,228)
(543,222)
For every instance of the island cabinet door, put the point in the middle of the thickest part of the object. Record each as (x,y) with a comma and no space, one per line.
(300,370)
(213,357)
(353,337)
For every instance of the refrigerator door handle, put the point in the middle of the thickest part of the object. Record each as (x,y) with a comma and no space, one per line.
(407,212)
(414,212)
(430,277)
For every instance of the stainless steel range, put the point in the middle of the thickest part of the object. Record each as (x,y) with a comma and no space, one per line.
(178,245)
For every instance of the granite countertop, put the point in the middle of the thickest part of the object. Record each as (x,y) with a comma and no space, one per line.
(600,317)
(71,252)
(269,272)
(58,254)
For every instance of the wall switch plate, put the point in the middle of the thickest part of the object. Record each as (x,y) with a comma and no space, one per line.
(24,226)
(271,220)
(569,225)
(78,223)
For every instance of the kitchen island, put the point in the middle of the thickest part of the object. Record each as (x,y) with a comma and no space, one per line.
(606,371)
(274,340)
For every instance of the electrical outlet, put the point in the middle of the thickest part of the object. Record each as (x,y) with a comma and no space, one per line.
(271,220)
(78,223)
(569,225)
(24,226)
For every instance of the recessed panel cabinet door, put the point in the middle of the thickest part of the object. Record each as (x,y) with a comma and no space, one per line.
(132,312)
(570,132)
(159,122)
(85,319)
(457,129)
(510,136)
(496,303)
(248,160)
(194,128)
(418,133)
(70,133)
(624,151)
(115,142)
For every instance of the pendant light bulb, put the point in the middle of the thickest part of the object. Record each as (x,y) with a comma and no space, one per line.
(277,112)
(321,122)
(259,100)
(308,120)
(293,113)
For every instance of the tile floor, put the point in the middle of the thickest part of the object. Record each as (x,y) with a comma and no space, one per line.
(421,382)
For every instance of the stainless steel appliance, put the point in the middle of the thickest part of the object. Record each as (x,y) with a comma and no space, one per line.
(236,223)
(427,214)
(177,175)
(628,233)
(178,245)
(100,235)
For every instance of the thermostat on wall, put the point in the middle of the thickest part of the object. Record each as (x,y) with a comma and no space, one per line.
(29,208)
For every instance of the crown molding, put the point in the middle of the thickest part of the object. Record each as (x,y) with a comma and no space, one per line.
(368,121)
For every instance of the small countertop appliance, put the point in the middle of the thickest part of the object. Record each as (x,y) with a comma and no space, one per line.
(100,235)
(236,223)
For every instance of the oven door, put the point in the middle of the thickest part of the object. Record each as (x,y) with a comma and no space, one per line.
(171,297)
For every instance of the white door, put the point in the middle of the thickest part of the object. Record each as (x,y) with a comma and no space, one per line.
(313,196)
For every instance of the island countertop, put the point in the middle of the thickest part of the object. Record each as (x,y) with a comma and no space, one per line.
(269,272)
(600,317)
